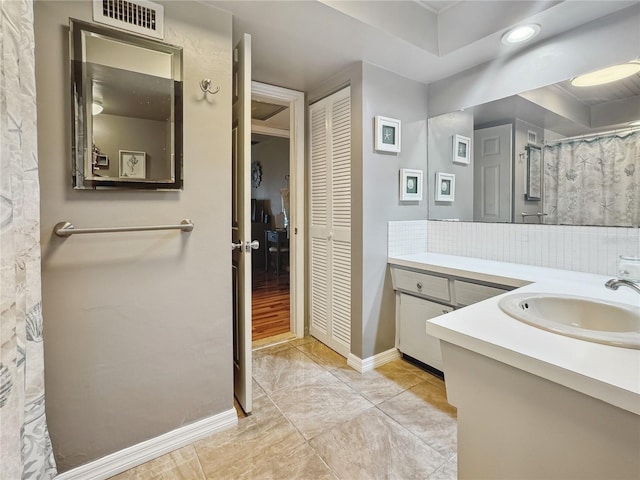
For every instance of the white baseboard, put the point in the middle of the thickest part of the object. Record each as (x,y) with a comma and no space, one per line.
(370,363)
(135,455)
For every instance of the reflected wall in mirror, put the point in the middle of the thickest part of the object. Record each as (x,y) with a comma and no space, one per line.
(559,155)
(127,110)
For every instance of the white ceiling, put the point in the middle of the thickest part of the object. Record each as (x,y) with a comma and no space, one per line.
(299,44)
(437,6)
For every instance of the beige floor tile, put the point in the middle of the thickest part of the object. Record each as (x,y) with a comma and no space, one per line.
(182,464)
(263,342)
(373,446)
(449,471)
(301,341)
(275,370)
(304,396)
(271,349)
(320,404)
(263,434)
(300,462)
(399,365)
(424,411)
(322,354)
(377,385)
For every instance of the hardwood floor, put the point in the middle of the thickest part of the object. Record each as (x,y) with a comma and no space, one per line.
(270,304)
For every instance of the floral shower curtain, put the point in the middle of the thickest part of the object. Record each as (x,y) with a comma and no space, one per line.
(25,446)
(593,182)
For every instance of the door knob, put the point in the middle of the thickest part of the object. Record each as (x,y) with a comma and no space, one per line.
(236,245)
(255,245)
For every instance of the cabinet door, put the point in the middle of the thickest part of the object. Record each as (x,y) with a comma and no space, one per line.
(412,324)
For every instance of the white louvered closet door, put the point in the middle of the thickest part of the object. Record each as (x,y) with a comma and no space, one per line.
(330,225)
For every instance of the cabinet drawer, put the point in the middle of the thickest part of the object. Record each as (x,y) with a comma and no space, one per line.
(413,339)
(422,284)
(469,293)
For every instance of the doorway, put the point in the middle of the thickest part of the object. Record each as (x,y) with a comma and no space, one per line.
(270,285)
(277,213)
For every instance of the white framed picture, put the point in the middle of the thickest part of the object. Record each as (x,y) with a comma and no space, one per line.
(445,187)
(461,149)
(410,184)
(132,164)
(387,134)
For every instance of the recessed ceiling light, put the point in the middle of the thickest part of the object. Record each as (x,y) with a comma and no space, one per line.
(96,108)
(606,75)
(521,34)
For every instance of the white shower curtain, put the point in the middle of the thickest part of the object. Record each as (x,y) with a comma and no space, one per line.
(24,439)
(593,182)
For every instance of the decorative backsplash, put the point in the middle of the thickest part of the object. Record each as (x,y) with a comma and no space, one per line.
(582,249)
(406,237)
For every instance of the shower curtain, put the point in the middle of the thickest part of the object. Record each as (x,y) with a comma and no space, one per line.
(593,182)
(24,438)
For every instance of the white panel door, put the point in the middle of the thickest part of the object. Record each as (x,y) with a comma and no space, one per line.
(492,174)
(330,221)
(241,223)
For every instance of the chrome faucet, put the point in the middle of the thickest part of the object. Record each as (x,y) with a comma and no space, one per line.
(614,283)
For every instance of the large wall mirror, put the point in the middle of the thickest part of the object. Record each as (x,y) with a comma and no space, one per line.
(127,110)
(560,154)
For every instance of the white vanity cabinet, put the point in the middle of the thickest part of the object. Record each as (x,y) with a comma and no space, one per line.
(423,295)
(412,340)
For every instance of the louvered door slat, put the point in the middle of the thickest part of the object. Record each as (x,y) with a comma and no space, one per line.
(319,207)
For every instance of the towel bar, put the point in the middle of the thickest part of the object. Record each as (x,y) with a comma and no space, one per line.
(66,229)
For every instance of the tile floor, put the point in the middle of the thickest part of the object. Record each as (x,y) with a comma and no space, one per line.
(315,417)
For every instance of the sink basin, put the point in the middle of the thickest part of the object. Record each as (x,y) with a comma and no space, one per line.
(578,317)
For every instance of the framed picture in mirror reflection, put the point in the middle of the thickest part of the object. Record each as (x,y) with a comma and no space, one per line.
(102,160)
(445,187)
(461,149)
(133,164)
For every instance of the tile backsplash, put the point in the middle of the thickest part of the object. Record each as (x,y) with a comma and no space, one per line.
(406,237)
(583,249)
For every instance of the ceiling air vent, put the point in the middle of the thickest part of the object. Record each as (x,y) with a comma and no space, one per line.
(138,16)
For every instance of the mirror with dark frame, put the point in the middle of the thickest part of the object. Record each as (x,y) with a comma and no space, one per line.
(126,94)
(560,154)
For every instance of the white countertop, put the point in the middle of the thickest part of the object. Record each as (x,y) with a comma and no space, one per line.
(611,374)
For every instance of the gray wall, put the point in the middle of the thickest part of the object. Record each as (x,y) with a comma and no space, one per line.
(273,155)
(112,133)
(442,129)
(375,193)
(137,326)
(385,93)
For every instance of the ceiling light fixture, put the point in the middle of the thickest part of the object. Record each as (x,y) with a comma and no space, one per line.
(521,34)
(606,75)
(96,108)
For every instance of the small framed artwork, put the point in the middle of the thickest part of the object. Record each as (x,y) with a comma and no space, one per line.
(461,149)
(410,184)
(102,160)
(387,134)
(445,187)
(133,164)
